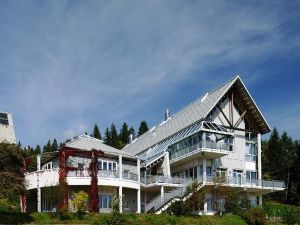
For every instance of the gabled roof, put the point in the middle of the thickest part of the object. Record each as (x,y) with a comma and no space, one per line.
(192,113)
(86,142)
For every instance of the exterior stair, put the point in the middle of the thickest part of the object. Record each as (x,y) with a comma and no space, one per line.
(158,206)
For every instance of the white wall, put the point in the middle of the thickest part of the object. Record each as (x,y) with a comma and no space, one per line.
(7,133)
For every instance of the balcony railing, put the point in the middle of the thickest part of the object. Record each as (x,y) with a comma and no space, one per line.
(215,146)
(130,176)
(163,179)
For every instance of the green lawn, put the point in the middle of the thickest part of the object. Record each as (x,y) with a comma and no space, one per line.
(128,219)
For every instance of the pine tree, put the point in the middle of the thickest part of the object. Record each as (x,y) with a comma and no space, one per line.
(143,128)
(54,146)
(96,132)
(37,149)
(107,137)
(273,154)
(124,134)
(287,160)
(47,147)
(114,136)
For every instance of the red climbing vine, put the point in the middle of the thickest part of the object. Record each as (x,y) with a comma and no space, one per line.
(64,154)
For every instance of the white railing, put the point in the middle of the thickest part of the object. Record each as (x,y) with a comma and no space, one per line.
(130,176)
(200,146)
(159,201)
(154,179)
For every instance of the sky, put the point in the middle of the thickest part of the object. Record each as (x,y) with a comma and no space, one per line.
(66,65)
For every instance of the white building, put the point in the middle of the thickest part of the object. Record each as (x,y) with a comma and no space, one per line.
(7,132)
(215,140)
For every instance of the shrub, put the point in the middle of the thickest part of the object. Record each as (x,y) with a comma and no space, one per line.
(289,215)
(255,216)
(14,218)
(80,202)
(64,214)
(116,217)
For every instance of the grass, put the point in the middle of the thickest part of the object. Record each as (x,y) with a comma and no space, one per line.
(128,219)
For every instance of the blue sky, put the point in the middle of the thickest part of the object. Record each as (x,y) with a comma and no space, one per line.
(65,65)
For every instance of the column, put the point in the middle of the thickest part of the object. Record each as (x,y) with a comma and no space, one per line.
(121,198)
(259,157)
(204,169)
(120,167)
(167,157)
(260,201)
(138,170)
(138,201)
(205,206)
(145,201)
(162,194)
(39,201)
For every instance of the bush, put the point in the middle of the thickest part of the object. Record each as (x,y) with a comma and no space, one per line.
(255,216)
(15,218)
(179,208)
(116,217)
(80,202)
(64,214)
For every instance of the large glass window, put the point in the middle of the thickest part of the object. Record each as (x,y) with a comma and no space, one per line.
(251,176)
(105,201)
(251,152)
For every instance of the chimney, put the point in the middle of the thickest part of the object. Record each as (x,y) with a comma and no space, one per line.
(167,114)
(130,138)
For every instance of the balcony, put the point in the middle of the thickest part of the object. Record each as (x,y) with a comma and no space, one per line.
(211,150)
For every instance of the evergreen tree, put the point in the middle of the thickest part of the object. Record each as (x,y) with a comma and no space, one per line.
(273,155)
(114,136)
(47,147)
(124,134)
(107,137)
(287,160)
(54,146)
(96,132)
(37,149)
(143,128)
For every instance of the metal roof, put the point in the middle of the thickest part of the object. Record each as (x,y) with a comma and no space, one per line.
(87,142)
(191,114)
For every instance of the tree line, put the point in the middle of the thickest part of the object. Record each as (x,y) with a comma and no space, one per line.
(111,137)
(281,161)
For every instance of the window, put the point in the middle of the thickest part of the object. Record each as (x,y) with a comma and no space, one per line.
(100,165)
(114,166)
(105,201)
(104,204)
(251,152)
(251,176)
(4,119)
(109,166)
(208,170)
(80,166)
(104,165)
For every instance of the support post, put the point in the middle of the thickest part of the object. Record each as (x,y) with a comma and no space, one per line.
(162,194)
(204,169)
(259,168)
(139,200)
(138,170)
(39,197)
(120,167)
(167,157)
(121,198)
(205,206)
(260,201)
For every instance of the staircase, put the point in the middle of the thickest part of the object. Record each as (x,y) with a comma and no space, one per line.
(158,205)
